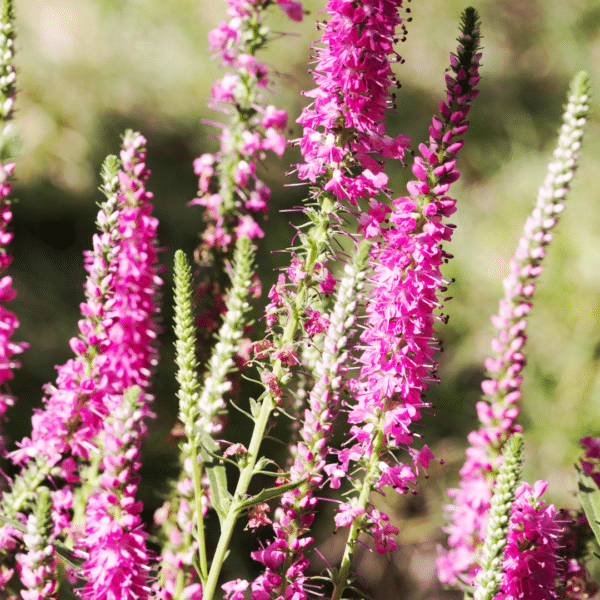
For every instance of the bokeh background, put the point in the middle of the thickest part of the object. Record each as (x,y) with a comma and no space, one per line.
(89,69)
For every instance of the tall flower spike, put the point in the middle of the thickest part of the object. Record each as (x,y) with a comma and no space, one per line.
(200,408)
(284,558)
(8,320)
(117,347)
(230,189)
(509,475)
(343,138)
(55,429)
(399,341)
(118,560)
(502,391)
(343,142)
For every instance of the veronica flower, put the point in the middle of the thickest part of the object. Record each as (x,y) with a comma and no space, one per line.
(398,343)
(229,187)
(492,554)
(502,390)
(117,347)
(343,142)
(284,558)
(117,563)
(8,320)
(37,566)
(530,565)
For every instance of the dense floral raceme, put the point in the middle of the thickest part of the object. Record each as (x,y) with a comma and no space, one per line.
(398,343)
(230,189)
(117,347)
(344,128)
(37,565)
(530,557)
(502,391)
(8,320)
(343,146)
(117,562)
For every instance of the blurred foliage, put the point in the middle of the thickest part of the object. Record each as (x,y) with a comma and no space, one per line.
(87,69)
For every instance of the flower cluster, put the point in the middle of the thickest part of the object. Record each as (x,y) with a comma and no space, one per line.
(37,566)
(398,343)
(8,320)
(498,413)
(229,188)
(117,347)
(531,553)
(114,540)
(344,128)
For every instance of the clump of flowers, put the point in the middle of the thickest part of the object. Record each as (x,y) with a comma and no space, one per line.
(229,186)
(502,390)
(8,320)
(348,354)
(530,562)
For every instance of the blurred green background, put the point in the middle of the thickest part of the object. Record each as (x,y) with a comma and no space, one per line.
(89,69)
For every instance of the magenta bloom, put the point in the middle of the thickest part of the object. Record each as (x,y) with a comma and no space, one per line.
(530,554)
(117,347)
(229,187)
(8,320)
(344,126)
(117,564)
(502,390)
(399,342)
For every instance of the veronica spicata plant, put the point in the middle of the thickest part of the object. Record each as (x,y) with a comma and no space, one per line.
(342,366)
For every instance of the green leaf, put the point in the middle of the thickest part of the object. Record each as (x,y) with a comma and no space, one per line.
(268,494)
(13,523)
(589,496)
(215,472)
(65,553)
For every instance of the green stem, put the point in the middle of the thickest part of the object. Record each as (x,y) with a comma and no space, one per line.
(340,582)
(197,474)
(242,487)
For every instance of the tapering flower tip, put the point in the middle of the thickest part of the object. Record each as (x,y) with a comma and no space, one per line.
(435,169)
(6,11)
(489,578)
(580,87)
(185,345)
(110,175)
(229,336)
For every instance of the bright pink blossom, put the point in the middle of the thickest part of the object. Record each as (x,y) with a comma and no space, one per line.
(530,565)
